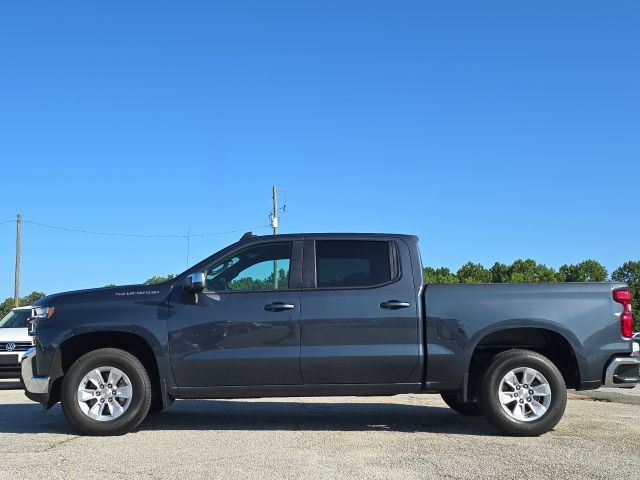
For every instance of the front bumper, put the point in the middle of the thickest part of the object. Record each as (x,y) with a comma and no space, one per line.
(11,369)
(36,386)
(9,372)
(623,372)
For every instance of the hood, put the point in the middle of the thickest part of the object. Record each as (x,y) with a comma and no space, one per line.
(14,335)
(157,292)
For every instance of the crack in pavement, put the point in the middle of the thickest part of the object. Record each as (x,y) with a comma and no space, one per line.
(54,445)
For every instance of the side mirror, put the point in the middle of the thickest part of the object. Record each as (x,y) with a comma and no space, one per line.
(195,282)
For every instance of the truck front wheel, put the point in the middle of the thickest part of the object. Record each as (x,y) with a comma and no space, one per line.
(523,393)
(106,392)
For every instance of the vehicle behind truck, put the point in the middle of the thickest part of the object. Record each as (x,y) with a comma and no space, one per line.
(327,314)
(14,341)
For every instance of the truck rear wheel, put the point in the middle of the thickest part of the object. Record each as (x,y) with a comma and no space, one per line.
(523,393)
(464,408)
(106,392)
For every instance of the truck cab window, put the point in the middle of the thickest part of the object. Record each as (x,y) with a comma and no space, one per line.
(349,263)
(260,267)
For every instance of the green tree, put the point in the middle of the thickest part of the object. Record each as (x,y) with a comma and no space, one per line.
(586,271)
(473,273)
(247,283)
(250,283)
(629,273)
(8,304)
(500,273)
(283,278)
(438,275)
(153,280)
(530,271)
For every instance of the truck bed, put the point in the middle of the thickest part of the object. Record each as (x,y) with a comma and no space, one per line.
(463,319)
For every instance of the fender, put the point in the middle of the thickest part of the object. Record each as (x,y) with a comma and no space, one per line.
(537,323)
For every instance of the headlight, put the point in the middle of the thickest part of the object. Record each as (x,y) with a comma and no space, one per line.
(43,312)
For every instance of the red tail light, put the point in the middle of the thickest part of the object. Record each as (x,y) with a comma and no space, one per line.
(626,317)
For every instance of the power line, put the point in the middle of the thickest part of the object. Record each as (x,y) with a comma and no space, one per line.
(138,235)
(255,227)
(110,234)
(188,237)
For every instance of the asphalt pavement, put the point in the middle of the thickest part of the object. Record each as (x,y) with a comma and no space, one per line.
(403,437)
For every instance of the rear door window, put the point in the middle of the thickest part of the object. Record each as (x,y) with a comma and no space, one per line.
(352,263)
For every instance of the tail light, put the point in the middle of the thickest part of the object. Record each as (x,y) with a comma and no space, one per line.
(626,317)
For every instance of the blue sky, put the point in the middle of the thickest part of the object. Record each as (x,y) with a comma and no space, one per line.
(493,130)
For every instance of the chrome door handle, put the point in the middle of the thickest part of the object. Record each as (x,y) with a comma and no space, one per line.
(278,307)
(394,304)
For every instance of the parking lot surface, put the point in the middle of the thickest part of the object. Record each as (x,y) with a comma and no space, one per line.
(404,437)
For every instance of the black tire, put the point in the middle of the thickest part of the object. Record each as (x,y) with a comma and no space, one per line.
(463,408)
(489,400)
(140,399)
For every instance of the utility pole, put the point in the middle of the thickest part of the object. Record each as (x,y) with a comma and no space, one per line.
(274,225)
(16,286)
(274,214)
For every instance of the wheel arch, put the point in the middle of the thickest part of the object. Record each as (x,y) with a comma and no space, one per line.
(80,344)
(542,339)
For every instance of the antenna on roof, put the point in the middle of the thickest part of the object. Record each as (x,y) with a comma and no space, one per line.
(247,236)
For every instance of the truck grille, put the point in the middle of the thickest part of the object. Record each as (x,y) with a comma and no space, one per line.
(15,346)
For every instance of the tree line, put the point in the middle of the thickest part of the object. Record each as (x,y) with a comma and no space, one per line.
(519,271)
(8,304)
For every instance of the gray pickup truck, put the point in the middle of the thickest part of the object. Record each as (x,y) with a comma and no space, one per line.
(327,314)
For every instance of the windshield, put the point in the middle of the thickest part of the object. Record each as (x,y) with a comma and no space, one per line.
(15,319)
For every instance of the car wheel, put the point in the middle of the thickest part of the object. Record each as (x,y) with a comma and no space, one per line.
(464,408)
(523,393)
(106,392)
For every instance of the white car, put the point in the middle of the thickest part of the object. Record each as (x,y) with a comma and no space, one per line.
(14,341)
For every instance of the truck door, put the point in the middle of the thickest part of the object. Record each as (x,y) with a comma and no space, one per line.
(245,327)
(359,314)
